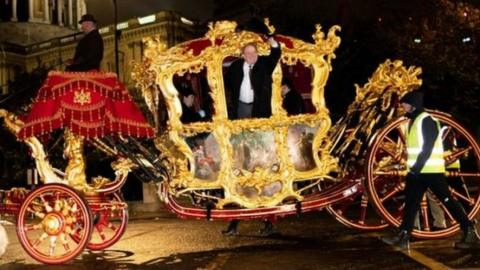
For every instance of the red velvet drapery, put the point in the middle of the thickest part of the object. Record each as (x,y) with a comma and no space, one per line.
(90,104)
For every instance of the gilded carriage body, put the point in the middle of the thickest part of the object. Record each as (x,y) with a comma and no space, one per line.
(256,162)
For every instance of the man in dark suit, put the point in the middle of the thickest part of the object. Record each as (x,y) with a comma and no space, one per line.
(292,100)
(89,51)
(189,114)
(249,81)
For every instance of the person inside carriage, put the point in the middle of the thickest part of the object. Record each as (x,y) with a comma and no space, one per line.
(89,51)
(189,114)
(249,81)
(292,100)
(426,168)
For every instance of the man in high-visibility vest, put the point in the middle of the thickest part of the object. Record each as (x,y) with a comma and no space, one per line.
(426,170)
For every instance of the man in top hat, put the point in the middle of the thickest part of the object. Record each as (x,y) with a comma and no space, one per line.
(89,51)
(426,169)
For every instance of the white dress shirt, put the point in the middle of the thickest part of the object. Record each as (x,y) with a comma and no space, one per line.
(246,91)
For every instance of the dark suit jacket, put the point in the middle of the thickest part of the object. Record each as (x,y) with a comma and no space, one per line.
(293,103)
(88,53)
(189,115)
(261,81)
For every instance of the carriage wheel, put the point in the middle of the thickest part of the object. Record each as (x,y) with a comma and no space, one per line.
(385,183)
(47,221)
(356,210)
(110,218)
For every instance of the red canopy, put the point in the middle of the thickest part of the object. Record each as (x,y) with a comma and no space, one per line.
(90,104)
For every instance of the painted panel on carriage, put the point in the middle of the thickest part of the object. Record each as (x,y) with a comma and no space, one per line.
(299,141)
(206,153)
(254,150)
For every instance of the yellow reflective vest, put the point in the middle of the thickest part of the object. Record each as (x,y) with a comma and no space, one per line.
(435,163)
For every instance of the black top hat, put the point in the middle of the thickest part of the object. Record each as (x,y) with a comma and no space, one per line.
(414,98)
(87,18)
(185,89)
(286,81)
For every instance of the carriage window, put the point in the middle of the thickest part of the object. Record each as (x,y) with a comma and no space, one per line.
(194,94)
(297,89)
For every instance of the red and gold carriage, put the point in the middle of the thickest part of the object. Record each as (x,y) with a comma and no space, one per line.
(218,168)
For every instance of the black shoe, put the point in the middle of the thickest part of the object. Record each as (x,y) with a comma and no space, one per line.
(230,232)
(231,229)
(401,240)
(268,230)
(469,239)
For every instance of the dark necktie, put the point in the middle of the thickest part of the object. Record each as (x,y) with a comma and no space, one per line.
(250,67)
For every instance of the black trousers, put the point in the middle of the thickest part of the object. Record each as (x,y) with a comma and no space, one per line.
(244,110)
(415,189)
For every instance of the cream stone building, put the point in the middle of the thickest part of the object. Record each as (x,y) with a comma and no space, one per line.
(44,33)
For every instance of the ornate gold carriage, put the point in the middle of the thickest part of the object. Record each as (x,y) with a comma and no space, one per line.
(288,164)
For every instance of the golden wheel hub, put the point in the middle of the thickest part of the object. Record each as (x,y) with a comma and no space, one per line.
(53,224)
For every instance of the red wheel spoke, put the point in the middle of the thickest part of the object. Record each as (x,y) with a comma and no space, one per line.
(45,203)
(454,156)
(100,232)
(363,209)
(57,196)
(74,207)
(457,194)
(397,145)
(65,243)
(32,227)
(40,240)
(36,213)
(424,209)
(112,227)
(52,245)
(66,246)
(399,187)
(390,140)
(389,152)
(389,173)
(75,233)
(462,174)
